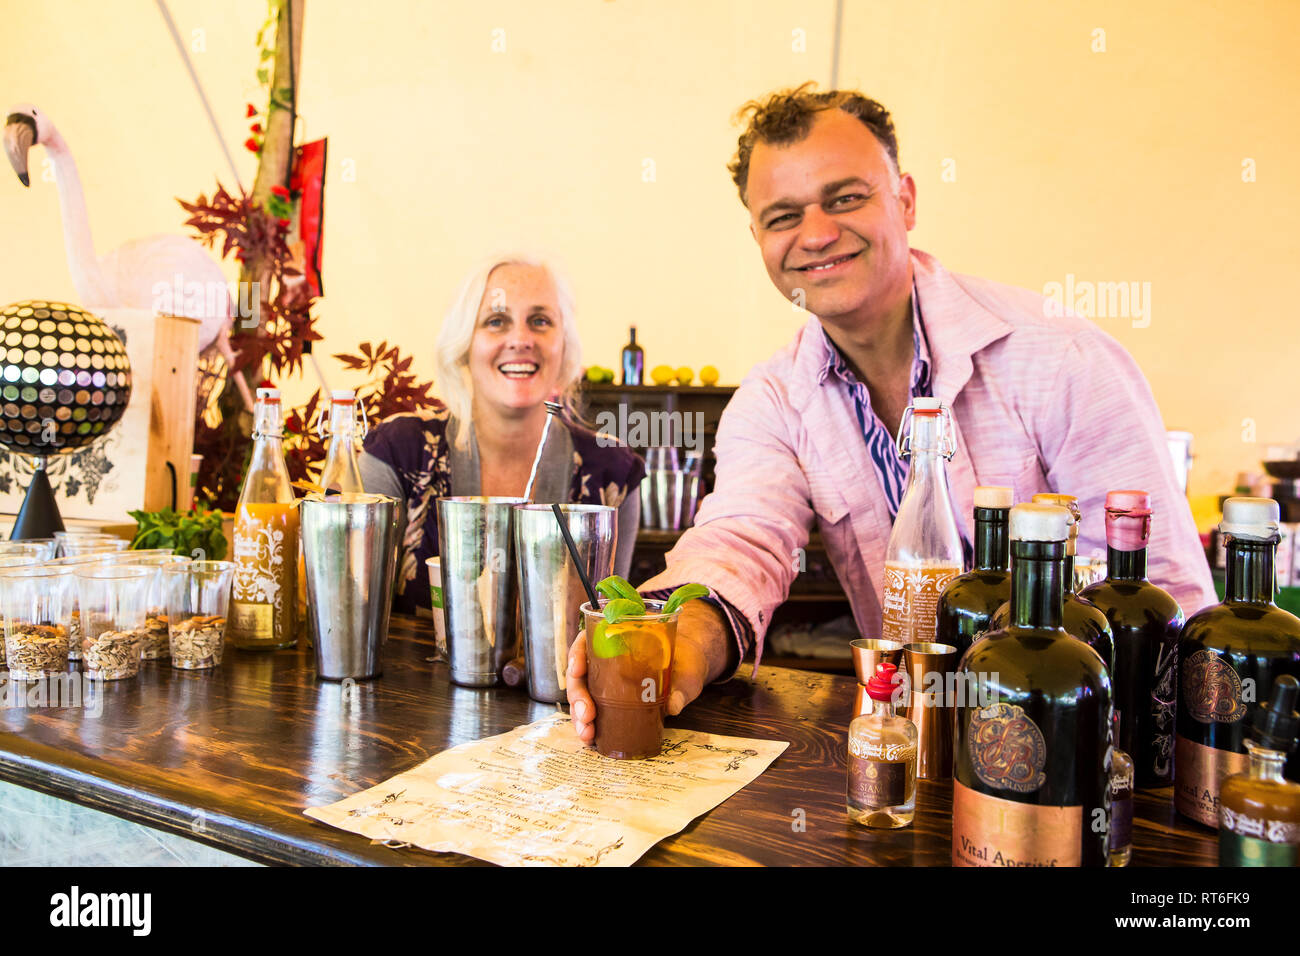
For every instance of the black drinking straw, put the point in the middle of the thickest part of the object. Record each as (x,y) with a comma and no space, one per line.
(577,562)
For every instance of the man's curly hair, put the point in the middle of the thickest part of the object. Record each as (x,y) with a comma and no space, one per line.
(786,116)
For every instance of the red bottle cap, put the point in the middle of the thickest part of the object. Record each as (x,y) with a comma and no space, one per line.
(1128,520)
(883,682)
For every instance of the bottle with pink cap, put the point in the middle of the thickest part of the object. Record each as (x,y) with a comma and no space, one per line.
(1229,655)
(1145,622)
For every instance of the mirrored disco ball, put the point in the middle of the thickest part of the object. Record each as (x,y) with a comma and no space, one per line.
(64,377)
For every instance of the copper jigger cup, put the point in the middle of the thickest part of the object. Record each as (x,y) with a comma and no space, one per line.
(867,653)
(929,707)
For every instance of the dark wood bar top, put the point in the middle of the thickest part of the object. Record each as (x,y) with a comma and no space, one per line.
(232,756)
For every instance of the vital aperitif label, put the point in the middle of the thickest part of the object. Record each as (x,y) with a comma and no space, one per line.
(266,575)
(912,599)
(1212,689)
(990,831)
(1198,774)
(1007,750)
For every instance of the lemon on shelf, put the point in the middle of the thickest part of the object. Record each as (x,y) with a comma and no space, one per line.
(595,374)
(709,375)
(662,375)
(685,375)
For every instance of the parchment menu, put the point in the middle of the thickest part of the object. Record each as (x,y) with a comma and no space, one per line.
(536,796)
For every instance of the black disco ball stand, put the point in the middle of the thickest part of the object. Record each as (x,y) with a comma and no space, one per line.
(39,516)
(65,380)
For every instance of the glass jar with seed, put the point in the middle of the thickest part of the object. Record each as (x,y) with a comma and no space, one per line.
(198,597)
(35,602)
(112,599)
(19,557)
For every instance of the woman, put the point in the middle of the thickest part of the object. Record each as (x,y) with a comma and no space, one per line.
(508,344)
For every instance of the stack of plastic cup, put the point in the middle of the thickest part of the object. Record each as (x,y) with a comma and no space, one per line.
(112,600)
(17,558)
(36,602)
(72,545)
(198,597)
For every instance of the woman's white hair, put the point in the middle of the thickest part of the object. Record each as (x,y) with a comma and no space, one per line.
(454,384)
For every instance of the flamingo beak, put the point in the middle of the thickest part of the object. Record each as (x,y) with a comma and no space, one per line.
(19,137)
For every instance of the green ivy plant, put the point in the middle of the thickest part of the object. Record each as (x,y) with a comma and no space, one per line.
(185,533)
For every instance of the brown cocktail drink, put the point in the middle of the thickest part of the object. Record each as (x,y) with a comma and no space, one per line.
(629,676)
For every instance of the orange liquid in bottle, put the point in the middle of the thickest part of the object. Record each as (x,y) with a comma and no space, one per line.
(264,598)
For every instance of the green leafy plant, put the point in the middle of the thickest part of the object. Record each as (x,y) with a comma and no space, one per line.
(185,533)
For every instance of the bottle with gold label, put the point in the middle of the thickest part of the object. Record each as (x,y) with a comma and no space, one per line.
(1080,617)
(882,759)
(925,551)
(1259,811)
(1229,655)
(1032,767)
(263,599)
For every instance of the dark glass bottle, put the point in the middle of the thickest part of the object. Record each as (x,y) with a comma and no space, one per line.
(1145,621)
(1082,619)
(1259,811)
(1229,655)
(1032,757)
(969,601)
(1121,800)
(633,362)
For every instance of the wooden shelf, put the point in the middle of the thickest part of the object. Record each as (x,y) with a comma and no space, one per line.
(608,388)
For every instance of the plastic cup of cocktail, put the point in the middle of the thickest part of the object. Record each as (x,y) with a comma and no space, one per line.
(629,676)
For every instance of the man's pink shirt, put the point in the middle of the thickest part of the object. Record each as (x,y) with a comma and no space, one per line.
(1041,402)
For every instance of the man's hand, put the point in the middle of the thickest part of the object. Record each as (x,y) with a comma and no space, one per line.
(703,651)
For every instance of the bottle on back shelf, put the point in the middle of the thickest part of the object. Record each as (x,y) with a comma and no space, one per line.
(263,597)
(1145,622)
(925,551)
(633,361)
(1032,763)
(1082,619)
(341,473)
(1259,811)
(1229,655)
(967,604)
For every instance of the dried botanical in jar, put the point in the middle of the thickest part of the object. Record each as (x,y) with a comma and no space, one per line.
(113,655)
(197,641)
(36,649)
(154,642)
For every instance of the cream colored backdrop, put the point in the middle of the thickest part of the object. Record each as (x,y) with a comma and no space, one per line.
(1150,142)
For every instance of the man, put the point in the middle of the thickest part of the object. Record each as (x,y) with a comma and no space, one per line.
(1040,402)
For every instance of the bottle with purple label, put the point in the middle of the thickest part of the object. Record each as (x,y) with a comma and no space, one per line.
(1145,622)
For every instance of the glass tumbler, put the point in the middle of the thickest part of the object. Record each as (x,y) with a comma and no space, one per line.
(112,599)
(198,597)
(36,602)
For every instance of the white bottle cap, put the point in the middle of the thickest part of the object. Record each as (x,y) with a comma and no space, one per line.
(992,496)
(271,393)
(1039,523)
(926,404)
(343,395)
(1250,518)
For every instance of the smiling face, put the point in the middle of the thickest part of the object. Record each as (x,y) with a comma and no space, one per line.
(517,350)
(827,221)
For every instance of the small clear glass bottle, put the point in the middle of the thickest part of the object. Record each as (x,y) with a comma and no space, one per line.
(1259,810)
(341,472)
(1121,800)
(882,759)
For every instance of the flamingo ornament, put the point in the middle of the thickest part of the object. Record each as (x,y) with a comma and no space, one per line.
(135,275)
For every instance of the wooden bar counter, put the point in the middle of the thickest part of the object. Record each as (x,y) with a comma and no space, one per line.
(231,757)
